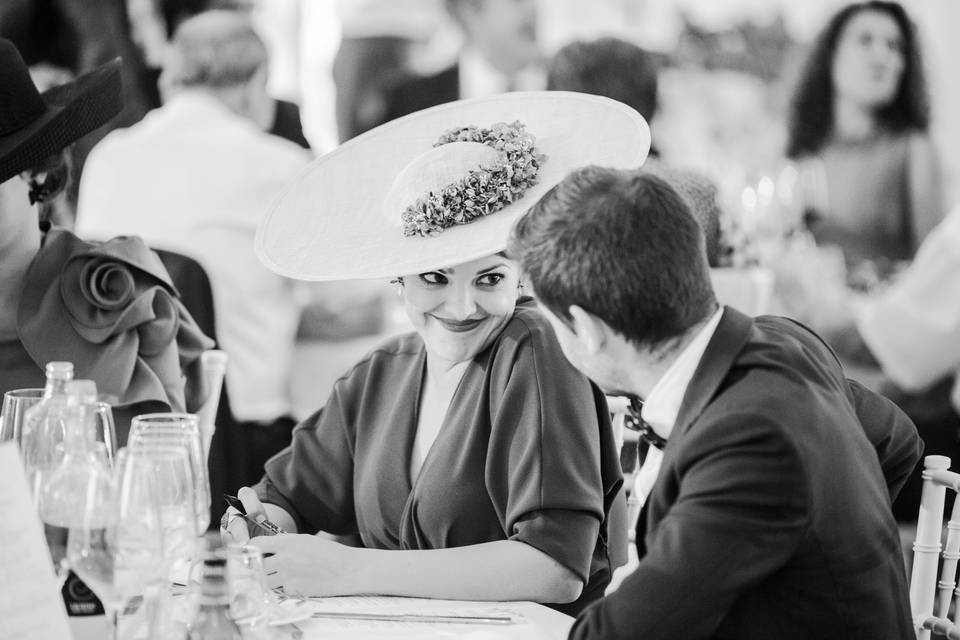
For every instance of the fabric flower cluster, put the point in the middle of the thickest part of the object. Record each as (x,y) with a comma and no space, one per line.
(483,191)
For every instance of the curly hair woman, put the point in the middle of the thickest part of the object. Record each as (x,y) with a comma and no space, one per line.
(858,129)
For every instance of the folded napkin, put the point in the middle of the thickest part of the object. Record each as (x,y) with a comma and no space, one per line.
(111,309)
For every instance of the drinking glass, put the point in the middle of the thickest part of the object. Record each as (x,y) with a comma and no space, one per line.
(173,475)
(42,444)
(178,429)
(250,599)
(117,545)
(15,405)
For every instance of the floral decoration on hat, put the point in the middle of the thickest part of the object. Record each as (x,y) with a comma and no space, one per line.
(483,191)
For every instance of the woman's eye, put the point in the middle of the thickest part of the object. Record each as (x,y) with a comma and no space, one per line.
(490,279)
(433,277)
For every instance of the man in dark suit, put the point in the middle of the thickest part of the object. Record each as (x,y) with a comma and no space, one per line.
(500,53)
(770,516)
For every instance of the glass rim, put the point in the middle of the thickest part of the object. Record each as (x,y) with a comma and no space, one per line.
(169,417)
(167,427)
(26,392)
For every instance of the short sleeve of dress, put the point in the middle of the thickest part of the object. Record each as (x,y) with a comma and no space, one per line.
(544,466)
(312,479)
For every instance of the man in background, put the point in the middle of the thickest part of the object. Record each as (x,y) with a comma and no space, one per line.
(195,176)
(500,53)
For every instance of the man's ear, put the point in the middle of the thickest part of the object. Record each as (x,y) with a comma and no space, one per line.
(591,330)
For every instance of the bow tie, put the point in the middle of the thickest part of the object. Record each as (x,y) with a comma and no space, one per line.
(635,422)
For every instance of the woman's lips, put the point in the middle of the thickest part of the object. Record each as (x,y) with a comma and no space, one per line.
(458,326)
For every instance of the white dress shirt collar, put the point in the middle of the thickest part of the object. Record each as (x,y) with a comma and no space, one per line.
(661,407)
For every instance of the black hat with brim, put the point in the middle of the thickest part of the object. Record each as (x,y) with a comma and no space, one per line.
(34,125)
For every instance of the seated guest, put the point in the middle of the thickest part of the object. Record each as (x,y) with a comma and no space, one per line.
(621,70)
(913,328)
(110,308)
(469,443)
(910,333)
(770,516)
(858,130)
(500,53)
(195,177)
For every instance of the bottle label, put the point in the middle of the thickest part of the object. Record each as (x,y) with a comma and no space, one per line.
(79,599)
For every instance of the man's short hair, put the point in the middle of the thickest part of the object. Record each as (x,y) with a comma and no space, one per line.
(215,49)
(623,246)
(608,67)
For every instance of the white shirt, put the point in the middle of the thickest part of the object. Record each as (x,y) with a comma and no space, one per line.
(478,79)
(662,406)
(195,178)
(913,328)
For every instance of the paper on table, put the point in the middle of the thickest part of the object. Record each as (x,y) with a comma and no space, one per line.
(30,604)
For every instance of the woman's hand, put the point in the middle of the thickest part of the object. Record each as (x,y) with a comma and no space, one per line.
(234,528)
(309,565)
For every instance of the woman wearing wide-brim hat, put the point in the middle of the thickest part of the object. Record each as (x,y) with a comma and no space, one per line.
(109,308)
(471,443)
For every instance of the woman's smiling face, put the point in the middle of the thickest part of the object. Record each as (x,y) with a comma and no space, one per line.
(460,310)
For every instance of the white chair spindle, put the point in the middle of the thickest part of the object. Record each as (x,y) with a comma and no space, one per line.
(948,573)
(924,587)
(926,546)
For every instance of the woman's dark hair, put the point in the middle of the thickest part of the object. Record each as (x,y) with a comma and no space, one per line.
(811,108)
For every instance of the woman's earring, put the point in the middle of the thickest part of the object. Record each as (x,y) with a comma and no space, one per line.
(399,283)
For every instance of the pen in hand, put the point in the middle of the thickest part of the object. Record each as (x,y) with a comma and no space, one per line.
(259,519)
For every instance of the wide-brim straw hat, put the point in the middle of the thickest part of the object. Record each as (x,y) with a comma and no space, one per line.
(340,218)
(35,126)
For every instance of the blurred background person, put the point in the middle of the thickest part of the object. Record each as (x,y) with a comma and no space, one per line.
(378,50)
(615,68)
(107,308)
(858,128)
(500,53)
(154,22)
(904,342)
(195,177)
(611,67)
(77,36)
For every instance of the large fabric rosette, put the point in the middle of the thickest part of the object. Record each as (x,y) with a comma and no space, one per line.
(111,309)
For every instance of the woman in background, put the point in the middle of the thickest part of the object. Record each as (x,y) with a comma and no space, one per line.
(108,308)
(858,128)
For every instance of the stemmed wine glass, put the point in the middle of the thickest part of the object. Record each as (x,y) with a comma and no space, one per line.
(117,547)
(15,405)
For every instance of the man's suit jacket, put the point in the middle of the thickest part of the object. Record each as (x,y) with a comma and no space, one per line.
(419,93)
(771,514)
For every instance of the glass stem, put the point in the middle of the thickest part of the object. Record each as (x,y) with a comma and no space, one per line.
(113,621)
